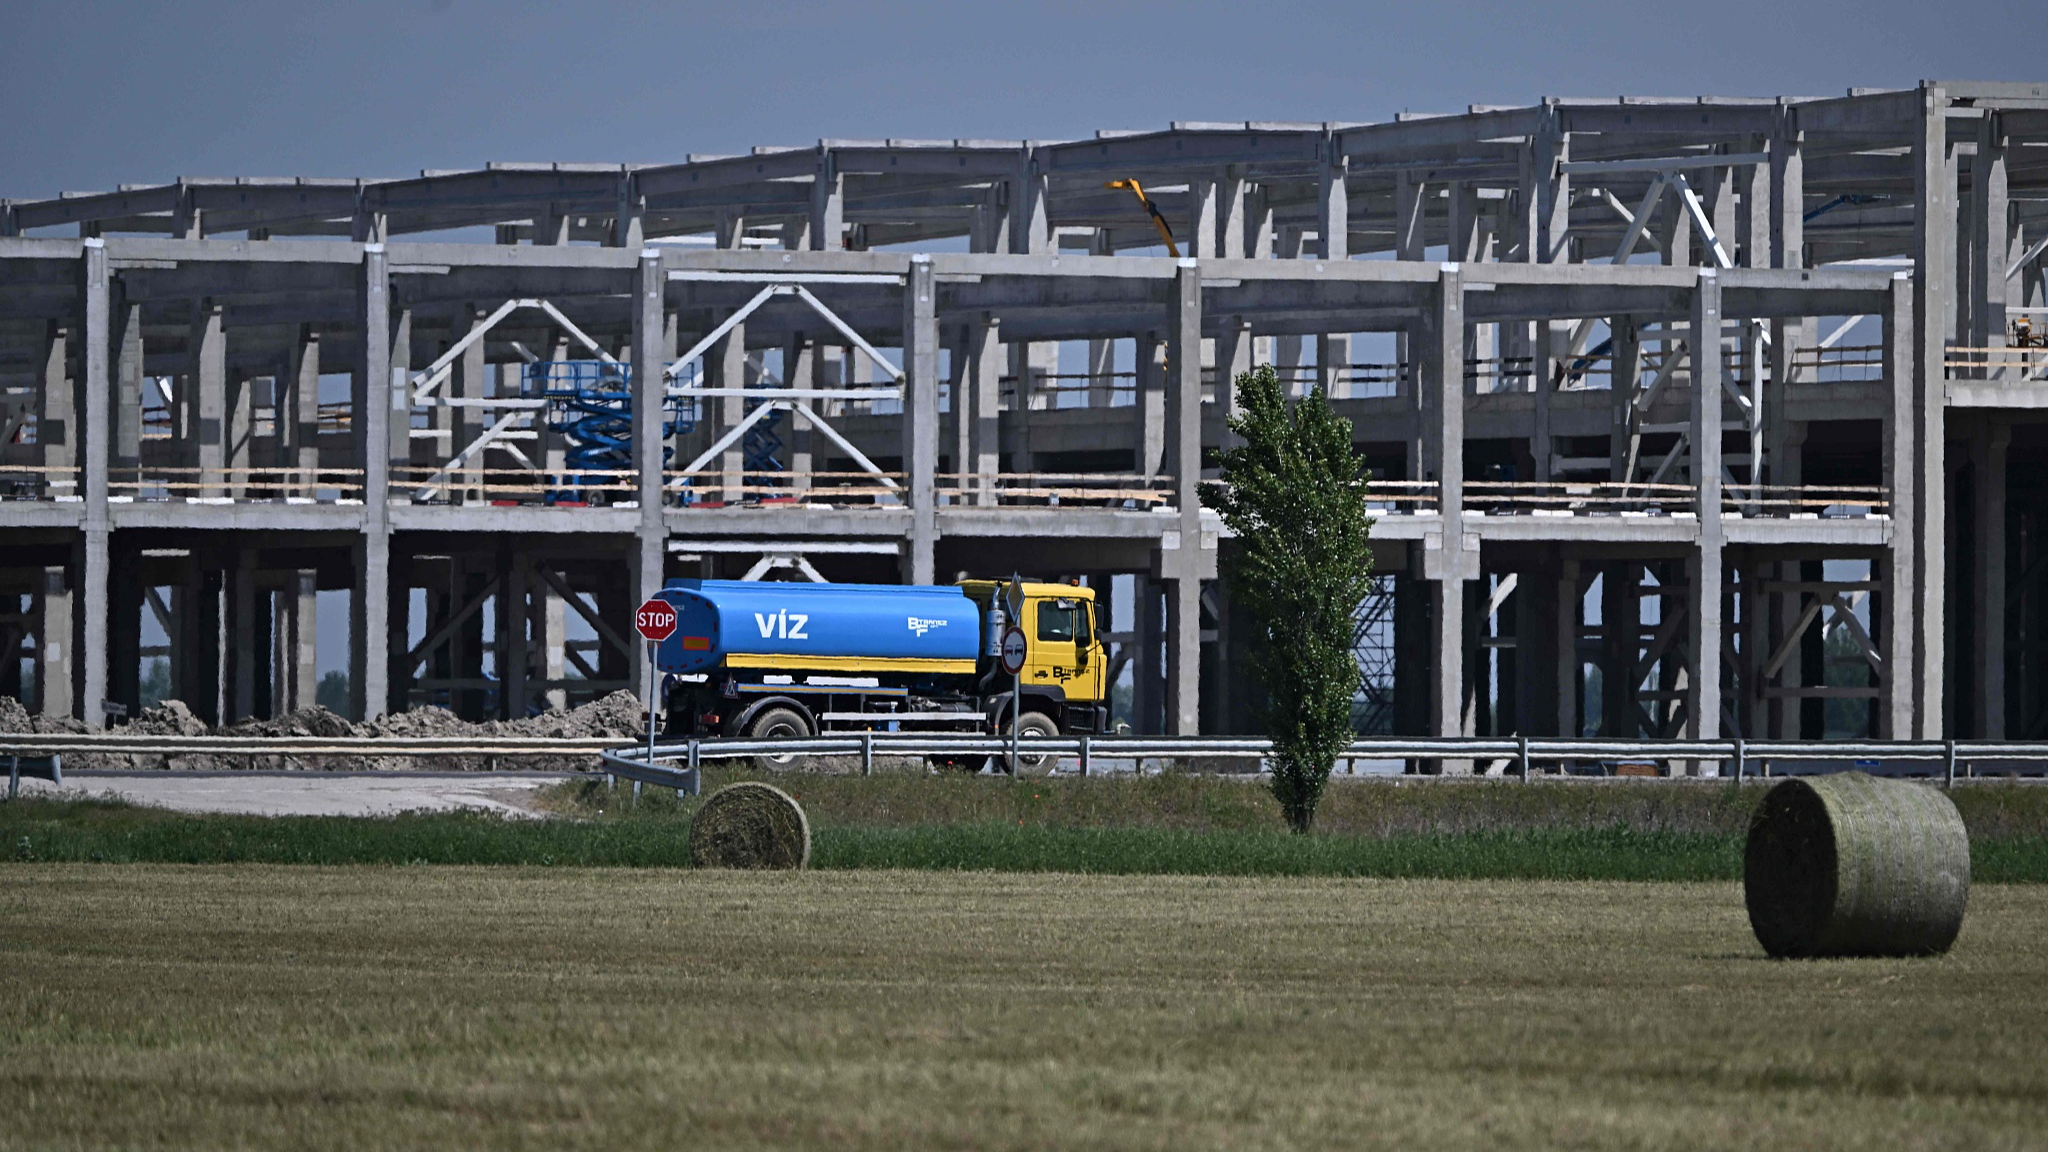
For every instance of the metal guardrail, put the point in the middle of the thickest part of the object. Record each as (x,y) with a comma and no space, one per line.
(49,768)
(1945,757)
(637,764)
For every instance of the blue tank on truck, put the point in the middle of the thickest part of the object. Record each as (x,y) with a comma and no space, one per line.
(848,628)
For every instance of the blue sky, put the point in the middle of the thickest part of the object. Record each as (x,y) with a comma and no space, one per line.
(103,93)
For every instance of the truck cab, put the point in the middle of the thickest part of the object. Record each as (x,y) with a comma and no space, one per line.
(1063,642)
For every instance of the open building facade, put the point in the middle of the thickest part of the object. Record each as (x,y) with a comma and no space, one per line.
(1686,417)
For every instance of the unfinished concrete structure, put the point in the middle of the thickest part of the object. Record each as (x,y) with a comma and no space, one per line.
(909,359)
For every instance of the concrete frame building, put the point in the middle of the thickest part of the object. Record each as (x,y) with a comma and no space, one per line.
(1702,417)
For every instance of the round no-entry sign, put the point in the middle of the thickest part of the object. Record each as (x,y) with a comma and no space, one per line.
(1013,651)
(656,619)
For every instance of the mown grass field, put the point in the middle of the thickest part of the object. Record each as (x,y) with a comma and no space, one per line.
(410,1007)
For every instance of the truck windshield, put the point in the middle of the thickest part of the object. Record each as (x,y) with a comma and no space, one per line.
(1059,621)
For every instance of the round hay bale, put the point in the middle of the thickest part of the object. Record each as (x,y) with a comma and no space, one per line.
(750,825)
(1850,865)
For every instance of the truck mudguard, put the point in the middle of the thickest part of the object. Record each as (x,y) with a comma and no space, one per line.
(850,629)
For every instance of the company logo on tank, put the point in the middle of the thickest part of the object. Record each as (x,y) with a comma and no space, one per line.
(920,625)
(784,625)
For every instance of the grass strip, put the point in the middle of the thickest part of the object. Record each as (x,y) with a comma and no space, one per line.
(95,831)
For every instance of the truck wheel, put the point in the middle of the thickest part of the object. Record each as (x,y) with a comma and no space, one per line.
(778,724)
(1033,724)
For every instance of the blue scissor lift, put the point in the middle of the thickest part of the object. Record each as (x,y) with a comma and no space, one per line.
(590,405)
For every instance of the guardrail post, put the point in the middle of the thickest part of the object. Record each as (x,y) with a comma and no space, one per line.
(636,792)
(1948,748)
(693,754)
(1741,760)
(1522,756)
(867,753)
(1084,757)
(13,776)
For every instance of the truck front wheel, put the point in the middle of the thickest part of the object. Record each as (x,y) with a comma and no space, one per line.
(1034,725)
(778,724)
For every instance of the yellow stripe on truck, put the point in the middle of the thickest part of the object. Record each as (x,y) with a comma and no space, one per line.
(794,663)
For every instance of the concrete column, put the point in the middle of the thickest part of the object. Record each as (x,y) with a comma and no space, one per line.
(799,370)
(95,434)
(650,285)
(1539,602)
(1903,624)
(1027,227)
(1151,397)
(1566,647)
(1752,242)
(1716,189)
(920,417)
(1030,225)
(956,431)
(303,638)
(725,366)
(1674,229)
(126,419)
(1542,448)
(1463,238)
(1624,379)
(1148,682)
(1448,558)
(550,618)
(1621,626)
(1988,576)
(1704,568)
(207,400)
(981,404)
(300,423)
(1933,295)
(1203,237)
(1233,359)
(380,402)
(240,409)
(629,222)
(1333,202)
(1788,191)
(1101,353)
(828,205)
(1287,350)
(243,649)
(398,416)
(53,645)
(57,414)
(1989,241)
(509,647)
(465,424)
(1408,245)
(1553,193)
(1181,553)
(1231,194)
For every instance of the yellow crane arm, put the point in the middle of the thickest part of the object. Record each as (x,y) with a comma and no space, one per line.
(1158,221)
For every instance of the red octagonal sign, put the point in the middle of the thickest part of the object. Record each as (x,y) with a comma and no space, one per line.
(656,619)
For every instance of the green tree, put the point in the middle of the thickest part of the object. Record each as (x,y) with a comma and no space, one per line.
(1295,496)
(332,693)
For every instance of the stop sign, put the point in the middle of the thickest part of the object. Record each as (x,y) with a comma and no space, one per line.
(656,619)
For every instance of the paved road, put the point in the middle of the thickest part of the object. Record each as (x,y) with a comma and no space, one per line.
(312,793)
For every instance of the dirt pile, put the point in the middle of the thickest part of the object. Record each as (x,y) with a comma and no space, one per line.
(617,716)
(306,722)
(169,718)
(13,717)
